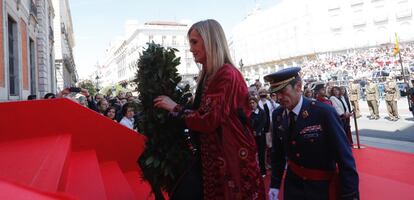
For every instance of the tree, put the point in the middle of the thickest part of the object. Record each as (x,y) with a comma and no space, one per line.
(166,153)
(88,84)
(113,90)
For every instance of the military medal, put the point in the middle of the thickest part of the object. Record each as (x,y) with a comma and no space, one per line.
(305,114)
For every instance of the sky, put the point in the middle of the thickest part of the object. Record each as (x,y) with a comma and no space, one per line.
(98,22)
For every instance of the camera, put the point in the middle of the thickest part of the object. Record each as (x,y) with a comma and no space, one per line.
(74,89)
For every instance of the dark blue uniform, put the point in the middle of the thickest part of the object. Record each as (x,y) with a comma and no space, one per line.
(411,96)
(316,142)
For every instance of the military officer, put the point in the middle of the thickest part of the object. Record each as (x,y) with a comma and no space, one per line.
(372,96)
(411,96)
(354,97)
(308,136)
(392,94)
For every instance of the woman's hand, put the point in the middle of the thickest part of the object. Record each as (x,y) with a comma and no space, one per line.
(165,103)
(84,92)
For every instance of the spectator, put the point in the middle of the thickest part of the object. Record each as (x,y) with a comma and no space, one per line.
(128,94)
(345,98)
(31,97)
(308,93)
(320,94)
(82,101)
(110,113)
(102,105)
(258,123)
(98,97)
(128,119)
(49,96)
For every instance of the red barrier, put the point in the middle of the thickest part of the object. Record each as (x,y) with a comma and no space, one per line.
(89,130)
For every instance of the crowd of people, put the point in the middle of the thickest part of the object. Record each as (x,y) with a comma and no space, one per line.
(359,64)
(122,108)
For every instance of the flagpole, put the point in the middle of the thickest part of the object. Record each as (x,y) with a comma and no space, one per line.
(405,78)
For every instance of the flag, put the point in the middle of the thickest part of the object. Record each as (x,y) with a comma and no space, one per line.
(396,49)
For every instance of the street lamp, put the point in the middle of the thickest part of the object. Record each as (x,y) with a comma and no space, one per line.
(241,65)
(97,83)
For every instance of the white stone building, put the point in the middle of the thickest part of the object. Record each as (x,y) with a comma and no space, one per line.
(122,55)
(45,51)
(66,74)
(268,39)
(23,25)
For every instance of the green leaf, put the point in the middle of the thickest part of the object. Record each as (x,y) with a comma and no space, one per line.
(149,160)
(156,163)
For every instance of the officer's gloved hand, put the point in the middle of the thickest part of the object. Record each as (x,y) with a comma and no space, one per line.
(273,194)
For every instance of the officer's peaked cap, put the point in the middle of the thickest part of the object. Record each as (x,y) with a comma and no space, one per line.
(281,78)
(318,86)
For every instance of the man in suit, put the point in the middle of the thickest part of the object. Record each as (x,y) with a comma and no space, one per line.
(308,136)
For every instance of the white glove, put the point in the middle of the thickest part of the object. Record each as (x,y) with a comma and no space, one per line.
(273,194)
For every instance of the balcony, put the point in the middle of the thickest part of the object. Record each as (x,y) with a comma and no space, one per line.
(33,8)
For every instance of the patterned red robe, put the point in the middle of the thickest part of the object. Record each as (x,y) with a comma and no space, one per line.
(228,151)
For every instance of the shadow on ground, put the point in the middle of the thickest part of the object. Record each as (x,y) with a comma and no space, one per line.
(405,134)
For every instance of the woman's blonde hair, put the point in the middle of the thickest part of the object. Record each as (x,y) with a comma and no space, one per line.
(215,45)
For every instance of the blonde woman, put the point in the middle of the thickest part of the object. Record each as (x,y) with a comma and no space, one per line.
(219,120)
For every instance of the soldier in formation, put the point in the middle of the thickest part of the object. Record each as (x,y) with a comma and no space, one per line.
(354,96)
(392,94)
(372,96)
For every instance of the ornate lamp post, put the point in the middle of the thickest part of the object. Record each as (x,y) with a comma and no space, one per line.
(241,66)
(97,83)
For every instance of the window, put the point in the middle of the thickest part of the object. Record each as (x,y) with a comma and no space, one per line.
(150,38)
(13,58)
(32,64)
(164,38)
(174,40)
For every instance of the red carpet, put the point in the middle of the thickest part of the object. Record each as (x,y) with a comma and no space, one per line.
(385,174)
(48,156)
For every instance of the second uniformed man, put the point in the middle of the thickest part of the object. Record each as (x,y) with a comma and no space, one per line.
(392,94)
(354,97)
(308,136)
(372,95)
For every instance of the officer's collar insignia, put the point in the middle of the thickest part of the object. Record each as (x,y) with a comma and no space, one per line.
(281,128)
(305,114)
(313,102)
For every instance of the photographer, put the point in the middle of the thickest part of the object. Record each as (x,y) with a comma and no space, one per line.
(71,92)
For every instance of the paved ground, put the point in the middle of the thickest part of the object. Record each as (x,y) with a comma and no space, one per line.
(387,134)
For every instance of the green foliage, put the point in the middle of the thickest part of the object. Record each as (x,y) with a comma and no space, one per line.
(108,90)
(88,84)
(166,155)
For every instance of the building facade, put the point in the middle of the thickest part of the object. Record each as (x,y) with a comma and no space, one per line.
(268,39)
(45,48)
(20,71)
(66,74)
(122,55)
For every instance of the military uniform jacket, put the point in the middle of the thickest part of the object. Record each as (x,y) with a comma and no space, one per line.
(318,142)
(354,92)
(372,92)
(392,93)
